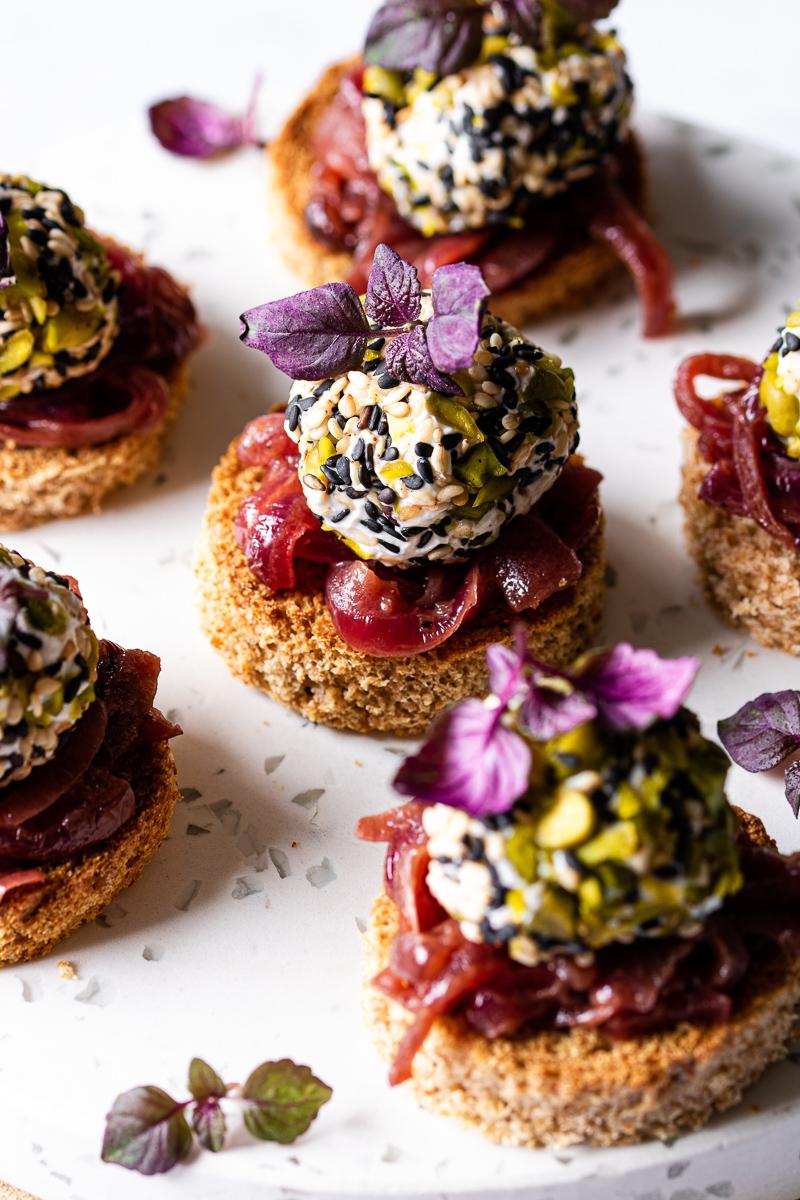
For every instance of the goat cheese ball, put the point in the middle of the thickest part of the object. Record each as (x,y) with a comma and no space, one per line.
(779,389)
(621,836)
(59,318)
(475,148)
(48,664)
(404,474)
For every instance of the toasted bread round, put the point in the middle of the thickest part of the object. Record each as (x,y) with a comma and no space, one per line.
(565,282)
(35,919)
(285,642)
(7,1192)
(751,579)
(42,483)
(563,1088)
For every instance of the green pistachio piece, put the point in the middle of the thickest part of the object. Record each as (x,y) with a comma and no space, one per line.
(386,84)
(451,413)
(493,490)
(618,841)
(69,329)
(555,917)
(478,466)
(568,822)
(16,351)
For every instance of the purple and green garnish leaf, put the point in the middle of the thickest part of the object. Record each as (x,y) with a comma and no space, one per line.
(469,761)
(763,733)
(281,1100)
(459,300)
(441,36)
(148,1131)
(478,756)
(199,129)
(6,269)
(325,331)
(523,17)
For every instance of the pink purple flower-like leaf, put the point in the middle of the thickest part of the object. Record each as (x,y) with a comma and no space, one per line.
(469,761)
(311,335)
(394,295)
(459,298)
(196,128)
(763,732)
(506,665)
(632,688)
(146,1131)
(208,1123)
(523,17)
(553,704)
(441,36)
(407,357)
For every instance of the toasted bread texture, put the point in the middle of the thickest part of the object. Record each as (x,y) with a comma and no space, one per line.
(285,642)
(752,580)
(43,483)
(7,1192)
(35,919)
(564,1088)
(567,281)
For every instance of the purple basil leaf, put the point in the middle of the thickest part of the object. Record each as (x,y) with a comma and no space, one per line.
(146,1131)
(393,292)
(634,687)
(459,298)
(407,357)
(764,731)
(469,761)
(441,36)
(208,1122)
(506,672)
(204,1082)
(198,129)
(6,270)
(523,17)
(792,786)
(554,705)
(281,1100)
(312,335)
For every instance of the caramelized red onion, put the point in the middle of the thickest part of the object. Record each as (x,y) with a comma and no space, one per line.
(750,474)
(386,613)
(626,991)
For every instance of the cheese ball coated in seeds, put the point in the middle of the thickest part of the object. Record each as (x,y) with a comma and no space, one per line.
(475,148)
(621,836)
(59,318)
(403,474)
(48,664)
(779,389)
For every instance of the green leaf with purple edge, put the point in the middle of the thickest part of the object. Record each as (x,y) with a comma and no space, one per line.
(632,688)
(441,36)
(198,129)
(459,299)
(311,335)
(470,761)
(523,17)
(208,1122)
(146,1131)
(407,357)
(204,1082)
(763,732)
(281,1100)
(394,295)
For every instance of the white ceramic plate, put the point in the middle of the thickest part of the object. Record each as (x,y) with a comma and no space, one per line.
(215,951)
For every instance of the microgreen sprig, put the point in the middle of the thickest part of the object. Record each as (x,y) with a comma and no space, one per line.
(148,1131)
(763,733)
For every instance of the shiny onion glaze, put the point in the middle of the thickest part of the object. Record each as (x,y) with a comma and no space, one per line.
(750,473)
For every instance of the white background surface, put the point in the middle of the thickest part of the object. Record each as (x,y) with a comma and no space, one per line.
(275,972)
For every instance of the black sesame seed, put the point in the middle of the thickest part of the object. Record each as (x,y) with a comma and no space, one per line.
(354,493)
(389,546)
(387,381)
(376,344)
(343,466)
(424,538)
(374,526)
(372,510)
(375,418)
(792,341)
(364,477)
(293,417)
(329,470)
(451,440)
(366,417)
(340,515)
(357,450)
(72,687)
(391,453)
(423,449)
(413,482)
(425,470)
(386,496)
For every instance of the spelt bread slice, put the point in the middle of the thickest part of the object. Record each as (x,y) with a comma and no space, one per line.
(564,1088)
(285,643)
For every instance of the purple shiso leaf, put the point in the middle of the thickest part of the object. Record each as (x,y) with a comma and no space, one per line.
(792,787)
(763,732)
(198,129)
(394,295)
(523,17)
(506,672)
(459,299)
(554,705)
(407,357)
(469,761)
(311,335)
(441,36)
(632,688)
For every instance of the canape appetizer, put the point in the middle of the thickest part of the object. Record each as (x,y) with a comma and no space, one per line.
(741,486)
(93,346)
(578,939)
(87,778)
(362,548)
(488,131)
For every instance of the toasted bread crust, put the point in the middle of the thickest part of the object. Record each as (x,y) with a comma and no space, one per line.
(752,580)
(563,1088)
(285,643)
(35,919)
(42,483)
(565,282)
